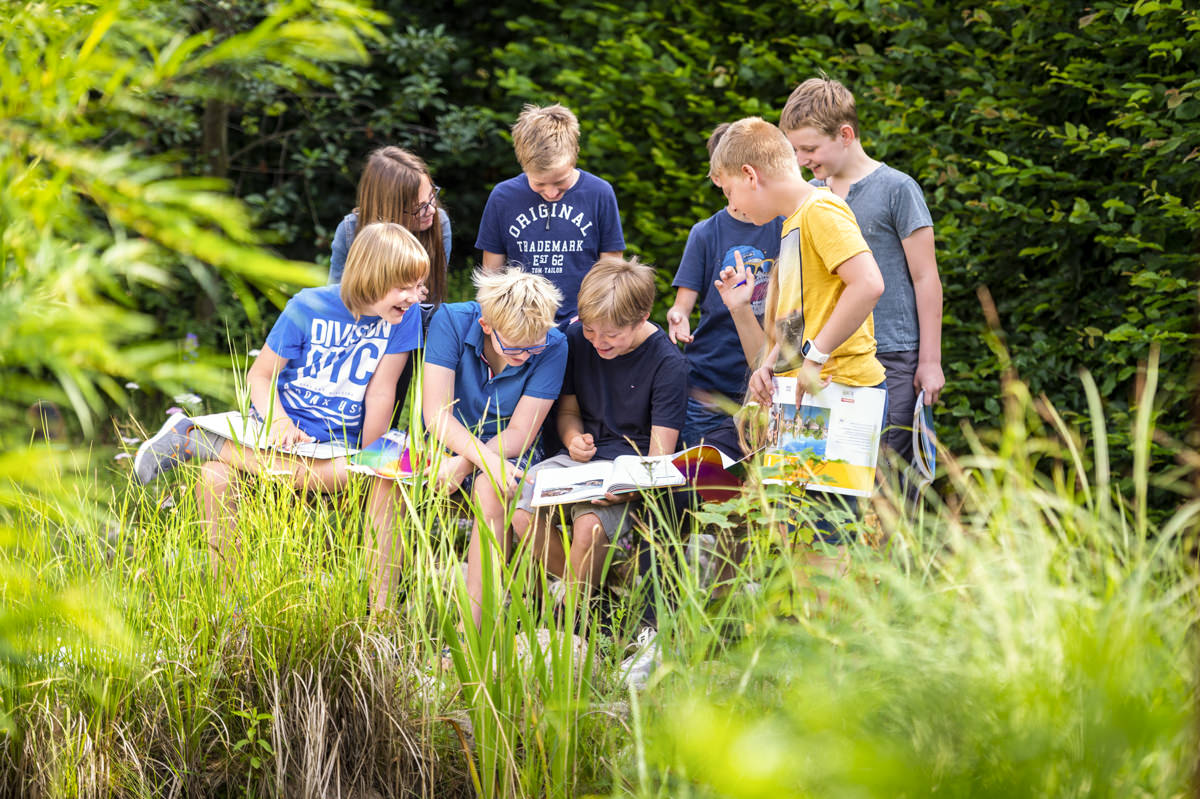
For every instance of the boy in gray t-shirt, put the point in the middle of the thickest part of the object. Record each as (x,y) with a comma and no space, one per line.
(821,121)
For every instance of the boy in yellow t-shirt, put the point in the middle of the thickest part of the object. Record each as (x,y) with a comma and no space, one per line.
(825,282)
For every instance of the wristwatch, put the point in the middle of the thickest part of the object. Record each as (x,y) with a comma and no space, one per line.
(811,353)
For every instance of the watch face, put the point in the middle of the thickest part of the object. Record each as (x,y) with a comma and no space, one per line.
(804,350)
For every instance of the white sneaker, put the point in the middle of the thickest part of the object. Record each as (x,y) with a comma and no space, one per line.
(636,669)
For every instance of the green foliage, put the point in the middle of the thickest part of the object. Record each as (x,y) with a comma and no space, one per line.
(1056,147)
(87,213)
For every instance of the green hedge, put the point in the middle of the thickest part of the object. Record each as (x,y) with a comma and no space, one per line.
(1056,145)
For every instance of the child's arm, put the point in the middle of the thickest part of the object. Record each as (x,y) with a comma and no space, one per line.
(493,261)
(927,286)
(736,287)
(261,380)
(580,445)
(663,440)
(380,398)
(522,428)
(678,325)
(437,403)
(864,286)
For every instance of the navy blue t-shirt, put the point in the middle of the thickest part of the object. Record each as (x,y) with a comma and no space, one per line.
(622,398)
(559,240)
(715,354)
(484,402)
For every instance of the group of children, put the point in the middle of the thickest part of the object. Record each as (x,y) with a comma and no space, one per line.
(556,361)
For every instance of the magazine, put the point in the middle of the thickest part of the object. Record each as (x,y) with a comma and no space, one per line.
(251,431)
(704,467)
(924,443)
(388,457)
(828,441)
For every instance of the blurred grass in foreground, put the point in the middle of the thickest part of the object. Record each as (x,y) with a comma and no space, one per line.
(1032,633)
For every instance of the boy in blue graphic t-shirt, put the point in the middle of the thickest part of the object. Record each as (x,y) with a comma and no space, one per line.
(327,373)
(729,336)
(554,219)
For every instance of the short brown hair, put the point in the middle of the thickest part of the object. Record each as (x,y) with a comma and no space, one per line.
(821,103)
(383,256)
(518,304)
(389,191)
(754,142)
(715,137)
(617,291)
(546,138)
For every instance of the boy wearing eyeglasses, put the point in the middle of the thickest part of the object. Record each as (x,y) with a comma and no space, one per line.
(493,367)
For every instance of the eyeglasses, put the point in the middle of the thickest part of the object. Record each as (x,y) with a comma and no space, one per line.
(430,204)
(537,349)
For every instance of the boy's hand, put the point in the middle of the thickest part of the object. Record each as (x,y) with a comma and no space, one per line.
(809,378)
(452,471)
(762,385)
(581,448)
(929,378)
(736,283)
(678,326)
(613,499)
(500,473)
(284,434)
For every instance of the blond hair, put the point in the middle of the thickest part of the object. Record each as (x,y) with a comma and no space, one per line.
(383,256)
(821,103)
(389,191)
(617,291)
(518,305)
(546,138)
(752,142)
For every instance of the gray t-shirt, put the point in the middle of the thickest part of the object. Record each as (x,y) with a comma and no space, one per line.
(890,207)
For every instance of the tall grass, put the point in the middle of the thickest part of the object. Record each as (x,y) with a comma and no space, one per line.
(1029,634)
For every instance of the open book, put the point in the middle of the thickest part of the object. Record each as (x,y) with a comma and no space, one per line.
(828,441)
(250,431)
(706,467)
(388,457)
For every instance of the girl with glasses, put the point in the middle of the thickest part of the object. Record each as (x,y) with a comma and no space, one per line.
(396,187)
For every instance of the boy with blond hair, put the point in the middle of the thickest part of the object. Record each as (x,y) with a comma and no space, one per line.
(820,120)
(554,219)
(326,373)
(729,337)
(825,283)
(624,393)
(493,367)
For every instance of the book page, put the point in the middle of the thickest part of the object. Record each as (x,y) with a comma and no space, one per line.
(570,484)
(250,432)
(388,457)
(828,441)
(631,472)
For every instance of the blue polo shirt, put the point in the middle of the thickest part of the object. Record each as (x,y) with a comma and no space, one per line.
(484,403)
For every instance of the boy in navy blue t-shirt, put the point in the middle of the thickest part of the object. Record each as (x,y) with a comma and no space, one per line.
(729,336)
(554,219)
(624,393)
(493,367)
(327,373)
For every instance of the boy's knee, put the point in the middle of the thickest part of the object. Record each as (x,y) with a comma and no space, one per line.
(214,475)
(522,523)
(588,532)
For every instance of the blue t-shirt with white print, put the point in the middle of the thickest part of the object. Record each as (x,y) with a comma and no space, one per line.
(715,354)
(559,240)
(484,402)
(330,359)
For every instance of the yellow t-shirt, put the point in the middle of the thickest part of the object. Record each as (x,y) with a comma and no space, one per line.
(817,238)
